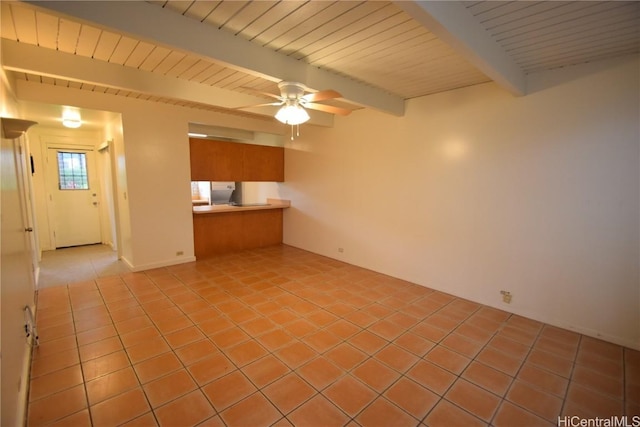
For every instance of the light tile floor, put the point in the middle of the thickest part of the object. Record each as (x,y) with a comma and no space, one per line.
(280,336)
(77,264)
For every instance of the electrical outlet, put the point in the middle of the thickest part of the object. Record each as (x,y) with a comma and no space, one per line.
(506,296)
(179,253)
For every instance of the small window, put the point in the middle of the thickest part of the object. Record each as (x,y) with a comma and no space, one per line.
(72,171)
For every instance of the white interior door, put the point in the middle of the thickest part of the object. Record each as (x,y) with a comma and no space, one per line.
(73,196)
(16,277)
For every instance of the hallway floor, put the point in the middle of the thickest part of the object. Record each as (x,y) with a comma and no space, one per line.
(78,264)
(280,336)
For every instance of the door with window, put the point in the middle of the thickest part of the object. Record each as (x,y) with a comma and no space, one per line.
(74,197)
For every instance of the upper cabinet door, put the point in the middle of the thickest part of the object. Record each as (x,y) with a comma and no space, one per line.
(216,160)
(231,161)
(262,163)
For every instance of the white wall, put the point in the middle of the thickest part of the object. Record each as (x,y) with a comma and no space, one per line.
(259,192)
(152,152)
(475,191)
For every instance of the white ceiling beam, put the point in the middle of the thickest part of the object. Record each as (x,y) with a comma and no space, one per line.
(25,58)
(29,58)
(451,22)
(156,25)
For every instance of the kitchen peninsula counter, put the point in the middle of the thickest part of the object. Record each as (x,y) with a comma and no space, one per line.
(220,229)
(213,209)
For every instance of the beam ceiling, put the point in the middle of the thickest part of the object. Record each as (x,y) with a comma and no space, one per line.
(148,22)
(451,22)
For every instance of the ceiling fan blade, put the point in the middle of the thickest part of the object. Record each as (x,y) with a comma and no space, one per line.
(328,109)
(258,105)
(321,96)
(271,95)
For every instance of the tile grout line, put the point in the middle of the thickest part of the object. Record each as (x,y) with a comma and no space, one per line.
(296,287)
(515,377)
(273,353)
(124,350)
(75,333)
(293,370)
(222,351)
(402,375)
(458,376)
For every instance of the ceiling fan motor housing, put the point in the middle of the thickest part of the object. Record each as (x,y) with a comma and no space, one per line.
(292,90)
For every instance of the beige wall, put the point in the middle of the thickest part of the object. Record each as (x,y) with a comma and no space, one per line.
(476,191)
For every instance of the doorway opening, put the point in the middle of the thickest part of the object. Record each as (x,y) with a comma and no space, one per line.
(77,192)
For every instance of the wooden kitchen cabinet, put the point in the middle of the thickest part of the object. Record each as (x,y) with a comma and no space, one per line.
(216,160)
(263,163)
(231,161)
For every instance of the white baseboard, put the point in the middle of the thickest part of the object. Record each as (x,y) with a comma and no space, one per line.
(159,264)
(622,341)
(126,261)
(614,339)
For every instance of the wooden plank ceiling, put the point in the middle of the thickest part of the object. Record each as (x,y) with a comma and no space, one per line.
(543,35)
(371,42)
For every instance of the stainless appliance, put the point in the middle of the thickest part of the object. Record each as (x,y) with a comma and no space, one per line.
(221,192)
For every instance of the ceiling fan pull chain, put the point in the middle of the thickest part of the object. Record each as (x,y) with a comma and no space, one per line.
(297,131)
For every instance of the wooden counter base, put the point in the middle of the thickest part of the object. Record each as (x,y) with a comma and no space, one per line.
(230,231)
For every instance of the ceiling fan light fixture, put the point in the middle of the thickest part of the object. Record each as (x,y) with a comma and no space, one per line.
(292,114)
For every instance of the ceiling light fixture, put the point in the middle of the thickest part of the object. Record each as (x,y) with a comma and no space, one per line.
(292,113)
(72,123)
(71,118)
(293,103)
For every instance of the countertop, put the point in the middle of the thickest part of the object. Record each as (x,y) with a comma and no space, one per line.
(271,204)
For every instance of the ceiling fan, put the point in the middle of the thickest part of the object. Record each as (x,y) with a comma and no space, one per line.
(294,102)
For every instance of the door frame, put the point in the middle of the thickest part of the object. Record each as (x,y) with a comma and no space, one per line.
(112,221)
(26,184)
(48,184)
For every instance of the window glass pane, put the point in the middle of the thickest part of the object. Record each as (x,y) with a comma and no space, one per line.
(72,171)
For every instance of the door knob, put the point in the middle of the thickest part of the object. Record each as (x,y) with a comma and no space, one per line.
(28,229)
